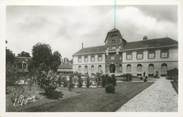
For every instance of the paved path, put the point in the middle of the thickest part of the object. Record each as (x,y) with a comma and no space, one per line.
(159,97)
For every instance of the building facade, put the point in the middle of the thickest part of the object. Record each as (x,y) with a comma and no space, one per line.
(117,56)
(22,64)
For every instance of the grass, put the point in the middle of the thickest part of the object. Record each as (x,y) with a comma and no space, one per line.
(92,100)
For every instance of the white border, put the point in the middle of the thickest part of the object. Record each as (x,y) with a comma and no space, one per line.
(3,5)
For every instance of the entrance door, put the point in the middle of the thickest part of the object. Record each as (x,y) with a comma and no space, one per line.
(151,69)
(164,69)
(112,68)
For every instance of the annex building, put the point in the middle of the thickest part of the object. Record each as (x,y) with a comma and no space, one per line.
(117,55)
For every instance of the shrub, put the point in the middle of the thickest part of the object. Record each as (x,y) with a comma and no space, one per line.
(110,88)
(127,77)
(48,82)
(80,81)
(172,74)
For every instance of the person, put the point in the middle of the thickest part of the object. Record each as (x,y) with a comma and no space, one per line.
(144,74)
(145,79)
(113,80)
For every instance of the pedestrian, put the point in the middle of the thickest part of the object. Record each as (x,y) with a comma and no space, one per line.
(145,79)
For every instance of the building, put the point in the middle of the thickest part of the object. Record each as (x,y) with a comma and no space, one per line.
(65,67)
(22,64)
(152,56)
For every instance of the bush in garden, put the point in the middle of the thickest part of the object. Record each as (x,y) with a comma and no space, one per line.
(88,82)
(127,77)
(65,82)
(104,80)
(70,83)
(172,74)
(48,82)
(110,88)
(80,81)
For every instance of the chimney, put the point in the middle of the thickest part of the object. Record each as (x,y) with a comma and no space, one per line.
(82,45)
(145,38)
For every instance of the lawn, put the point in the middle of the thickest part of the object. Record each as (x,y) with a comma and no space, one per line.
(92,99)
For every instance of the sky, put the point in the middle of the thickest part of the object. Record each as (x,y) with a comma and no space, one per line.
(65,28)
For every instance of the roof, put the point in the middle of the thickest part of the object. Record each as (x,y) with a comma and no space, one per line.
(21,59)
(151,43)
(91,50)
(143,44)
(65,66)
(114,30)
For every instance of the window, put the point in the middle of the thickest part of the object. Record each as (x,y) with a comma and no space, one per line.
(114,34)
(139,55)
(164,68)
(112,57)
(19,65)
(24,65)
(120,58)
(113,48)
(86,69)
(128,68)
(120,68)
(92,68)
(113,41)
(92,58)
(129,55)
(164,53)
(79,59)
(139,68)
(99,57)
(100,69)
(86,59)
(151,69)
(79,68)
(151,54)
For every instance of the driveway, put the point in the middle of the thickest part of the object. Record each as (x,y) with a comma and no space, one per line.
(159,97)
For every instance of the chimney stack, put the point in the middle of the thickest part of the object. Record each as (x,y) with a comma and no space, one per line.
(145,37)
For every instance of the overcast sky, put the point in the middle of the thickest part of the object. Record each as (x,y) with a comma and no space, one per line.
(64,28)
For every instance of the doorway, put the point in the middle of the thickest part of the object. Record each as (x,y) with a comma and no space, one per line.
(112,68)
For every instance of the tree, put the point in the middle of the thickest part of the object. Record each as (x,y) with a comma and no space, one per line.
(10,57)
(10,67)
(42,56)
(24,54)
(56,60)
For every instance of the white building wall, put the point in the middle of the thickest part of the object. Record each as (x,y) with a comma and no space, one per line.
(171,61)
(96,63)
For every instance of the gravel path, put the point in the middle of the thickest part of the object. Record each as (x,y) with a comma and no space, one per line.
(159,97)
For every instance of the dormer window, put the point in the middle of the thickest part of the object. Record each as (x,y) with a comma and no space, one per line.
(113,48)
(113,41)
(140,55)
(164,53)
(129,55)
(86,59)
(79,59)
(151,54)
(93,58)
(99,57)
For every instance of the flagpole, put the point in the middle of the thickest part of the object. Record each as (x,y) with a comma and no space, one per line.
(114,14)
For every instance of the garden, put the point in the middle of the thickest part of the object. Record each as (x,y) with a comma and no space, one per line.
(44,89)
